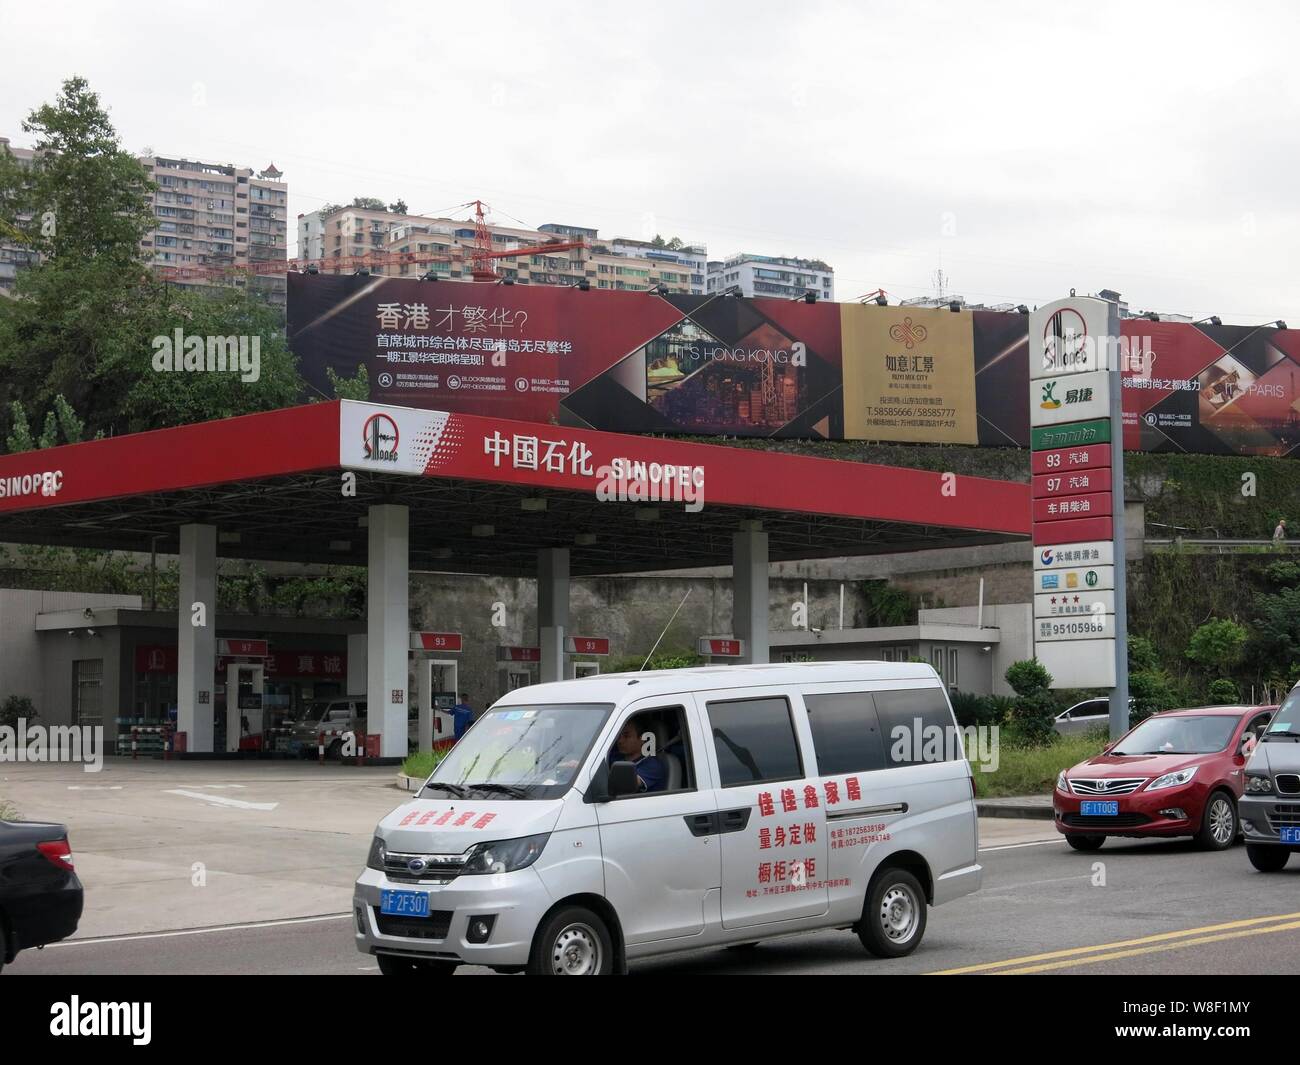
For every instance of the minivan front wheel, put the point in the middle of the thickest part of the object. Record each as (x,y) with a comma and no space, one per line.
(1267,859)
(574,942)
(893,919)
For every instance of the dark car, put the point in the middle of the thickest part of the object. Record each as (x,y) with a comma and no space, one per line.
(1180,773)
(40,895)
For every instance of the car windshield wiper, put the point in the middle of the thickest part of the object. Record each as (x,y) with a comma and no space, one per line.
(507,789)
(1281,736)
(455,789)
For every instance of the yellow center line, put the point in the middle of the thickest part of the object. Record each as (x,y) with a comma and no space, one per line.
(1161,937)
(1093,958)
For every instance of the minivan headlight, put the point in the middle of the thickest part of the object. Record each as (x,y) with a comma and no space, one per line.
(375,860)
(1258,784)
(505,856)
(1173,780)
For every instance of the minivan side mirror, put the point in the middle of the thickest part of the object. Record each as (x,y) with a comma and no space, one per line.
(622,780)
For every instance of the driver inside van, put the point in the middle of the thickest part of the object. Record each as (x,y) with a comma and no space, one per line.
(650,770)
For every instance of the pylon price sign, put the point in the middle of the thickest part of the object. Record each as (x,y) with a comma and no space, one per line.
(1077,491)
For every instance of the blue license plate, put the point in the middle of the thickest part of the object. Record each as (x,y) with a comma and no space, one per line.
(1291,835)
(404,903)
(1099,809)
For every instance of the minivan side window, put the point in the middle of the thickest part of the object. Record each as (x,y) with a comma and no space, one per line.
(755,741)
(846,733)
(915,726)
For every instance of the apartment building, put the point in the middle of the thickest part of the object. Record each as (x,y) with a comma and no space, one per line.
(215,217)
(14,255)
(444,247)
(694,258)
(776,277)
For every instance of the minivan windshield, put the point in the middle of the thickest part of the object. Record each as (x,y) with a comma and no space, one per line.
(520,752)
(1202,734)
(1286,722)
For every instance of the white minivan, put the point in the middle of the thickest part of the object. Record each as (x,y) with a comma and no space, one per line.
(581,825)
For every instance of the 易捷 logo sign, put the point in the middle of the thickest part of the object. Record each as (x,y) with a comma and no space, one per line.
(380,436)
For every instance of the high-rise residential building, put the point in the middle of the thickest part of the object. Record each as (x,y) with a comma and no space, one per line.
(214,217)
(14,255)
(776,277)
(694,257)
(444,247)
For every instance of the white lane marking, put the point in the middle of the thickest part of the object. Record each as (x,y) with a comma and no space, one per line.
(1013,846)
(221,800)
(96,787)
(197,931)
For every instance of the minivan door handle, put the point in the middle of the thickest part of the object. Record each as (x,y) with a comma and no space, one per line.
(735,820)
(702,824)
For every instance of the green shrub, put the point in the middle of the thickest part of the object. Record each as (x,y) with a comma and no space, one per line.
(973,709)
(1034,706)
(15,707)
(1223,692)
(1152,691)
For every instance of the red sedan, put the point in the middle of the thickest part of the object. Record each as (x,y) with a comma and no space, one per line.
(1179,773)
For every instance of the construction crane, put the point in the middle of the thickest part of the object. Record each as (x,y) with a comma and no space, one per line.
(480,254)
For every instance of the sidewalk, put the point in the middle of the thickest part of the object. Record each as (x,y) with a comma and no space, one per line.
(1037,807)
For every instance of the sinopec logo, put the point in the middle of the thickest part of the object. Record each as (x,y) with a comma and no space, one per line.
(1066,343)
(908,333)
(379,435)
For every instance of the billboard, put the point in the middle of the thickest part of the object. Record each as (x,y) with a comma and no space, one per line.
(638,362)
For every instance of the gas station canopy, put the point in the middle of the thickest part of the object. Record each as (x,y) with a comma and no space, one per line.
(484,494)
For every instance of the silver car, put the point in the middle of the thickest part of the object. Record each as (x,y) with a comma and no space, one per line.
(581,825)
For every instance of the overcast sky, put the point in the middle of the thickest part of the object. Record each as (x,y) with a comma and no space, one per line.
(1022,148)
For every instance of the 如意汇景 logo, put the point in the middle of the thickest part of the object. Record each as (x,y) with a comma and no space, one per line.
(379,435)
(908,333)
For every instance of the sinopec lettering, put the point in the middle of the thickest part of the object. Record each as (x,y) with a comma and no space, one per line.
(45,483)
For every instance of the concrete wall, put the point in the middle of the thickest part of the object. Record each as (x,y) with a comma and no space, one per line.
(631,611)
(1015,623)
(21,670)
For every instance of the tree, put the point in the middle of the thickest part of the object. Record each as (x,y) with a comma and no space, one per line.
(154,399)
(1223,692)
(398,208)
(369,203)
(1035,708)
(1218,644)
(62,421)
(74,318)
(85,197)
(1142,653)
(357,387)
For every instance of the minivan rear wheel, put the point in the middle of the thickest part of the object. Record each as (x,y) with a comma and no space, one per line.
(1267,859)
(1085,843)
(1219,823)
(893,918)
(574,942)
